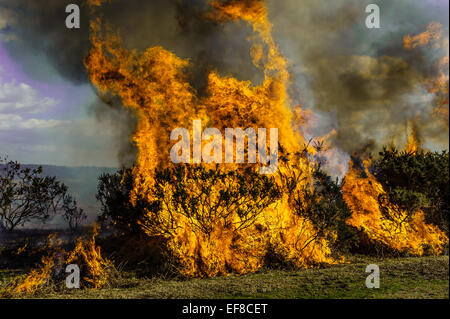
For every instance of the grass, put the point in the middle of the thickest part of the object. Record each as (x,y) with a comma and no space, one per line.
(410,277)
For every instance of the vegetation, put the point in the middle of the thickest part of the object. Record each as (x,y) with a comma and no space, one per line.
(208,197)
(205,198)
(403,278)
(416,181)
(95,270)
(199,199)
(113,193)
(27,195)
(72,214)
(324,205)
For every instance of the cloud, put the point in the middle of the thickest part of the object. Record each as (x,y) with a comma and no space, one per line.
(19,98)
(20,103)
(32,130)
(10,121)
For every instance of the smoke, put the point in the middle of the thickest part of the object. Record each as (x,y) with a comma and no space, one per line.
(365,78)
(121,123)
(360,82)
(181,27)
(176,25)
(39,29)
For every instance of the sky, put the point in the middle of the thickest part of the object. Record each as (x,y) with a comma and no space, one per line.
(48,121)
(49,112)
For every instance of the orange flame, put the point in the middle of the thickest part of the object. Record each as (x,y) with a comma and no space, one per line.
(414,237)
(413,144)
(154,84)
(434,38)
(86,255)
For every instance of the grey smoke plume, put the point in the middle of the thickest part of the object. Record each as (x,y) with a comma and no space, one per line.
(176,25)
(360,82)
(364,80)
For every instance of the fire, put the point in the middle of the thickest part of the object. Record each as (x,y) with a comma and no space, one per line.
(433,35)
(94,268)
(434,38)
(35,279)
(154,84)
(88,255)
(362,194)
(413,143)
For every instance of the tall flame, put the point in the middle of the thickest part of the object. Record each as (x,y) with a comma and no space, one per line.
(155,85)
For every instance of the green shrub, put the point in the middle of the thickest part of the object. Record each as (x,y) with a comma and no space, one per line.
(416,181)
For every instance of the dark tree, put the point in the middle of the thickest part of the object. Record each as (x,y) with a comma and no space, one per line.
(26,195)
(71,213)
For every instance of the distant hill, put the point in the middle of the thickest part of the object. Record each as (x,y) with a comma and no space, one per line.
(82,183)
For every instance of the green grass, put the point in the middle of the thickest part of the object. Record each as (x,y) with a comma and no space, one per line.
(412,277)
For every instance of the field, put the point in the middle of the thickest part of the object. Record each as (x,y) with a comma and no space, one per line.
(403,278)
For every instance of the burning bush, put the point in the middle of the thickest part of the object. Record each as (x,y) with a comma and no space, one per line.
(95,269)
(415,181)
(207,198)
(213,221)
(323,204)
(401,231)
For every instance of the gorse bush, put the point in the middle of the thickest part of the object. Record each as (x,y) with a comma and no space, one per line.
(327,209)
(415,181)
(319,200)
(206,197)
(191,220)
(209,197)
(114,195)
